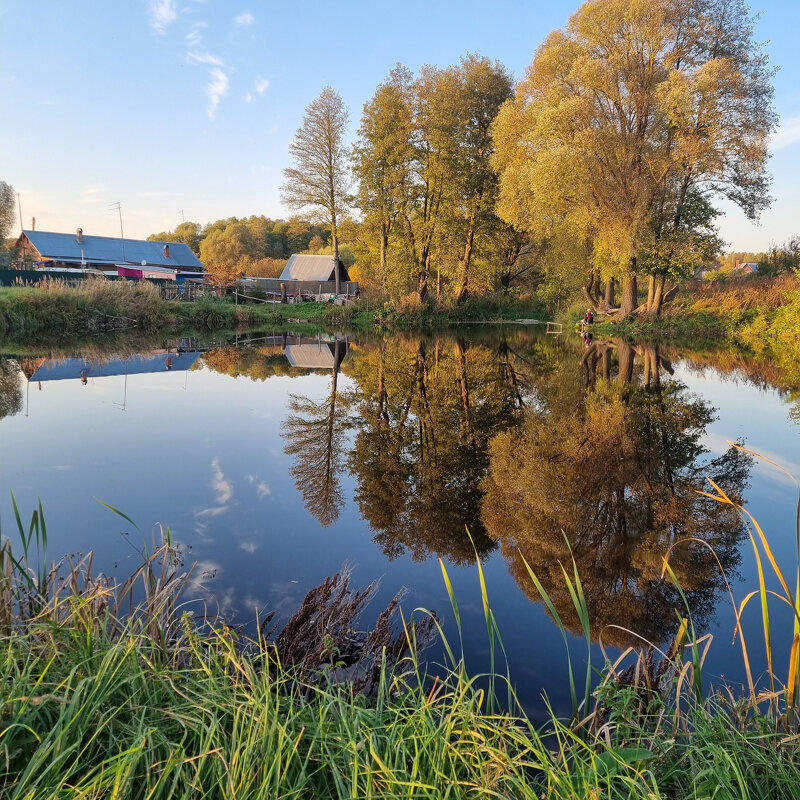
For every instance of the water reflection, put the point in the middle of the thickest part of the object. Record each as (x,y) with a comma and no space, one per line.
(425,412)
(315,433)
(541,448)
(10,388)
(608,470)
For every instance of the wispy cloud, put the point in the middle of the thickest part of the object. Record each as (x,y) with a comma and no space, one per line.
(245,19)
(195,57)
(92,193)
(162,14)
(260,86)
(262,488)
(787,134)
(220,484)
(195,36)
(216,89)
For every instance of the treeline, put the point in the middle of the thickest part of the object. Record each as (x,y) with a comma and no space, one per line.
(596,173)
(257,245)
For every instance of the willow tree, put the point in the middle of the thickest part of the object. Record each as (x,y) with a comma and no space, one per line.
(628,118)
(319,180)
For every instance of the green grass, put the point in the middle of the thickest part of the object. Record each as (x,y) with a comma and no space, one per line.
(103,696)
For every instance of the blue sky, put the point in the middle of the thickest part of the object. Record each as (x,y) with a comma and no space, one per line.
(184,109)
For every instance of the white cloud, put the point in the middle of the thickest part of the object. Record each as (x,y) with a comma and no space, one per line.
(195,36)
(204,58)
(216,89)
(787,134)
(220,484)
(162,14)
(245,19)
(260,86)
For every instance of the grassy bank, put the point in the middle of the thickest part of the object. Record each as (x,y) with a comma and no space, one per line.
(106,306)
(101,702)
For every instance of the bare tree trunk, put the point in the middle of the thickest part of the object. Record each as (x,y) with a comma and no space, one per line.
(335,240)
(609,294)
(629,295)
(384,245)
(463,269)
(654,306)
(651,286)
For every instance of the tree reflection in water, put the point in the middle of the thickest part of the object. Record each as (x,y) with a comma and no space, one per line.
(426,413)
(10,388)
(607,470)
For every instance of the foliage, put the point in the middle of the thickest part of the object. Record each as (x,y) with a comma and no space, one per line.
(620,132)
(7,210)
(319,179)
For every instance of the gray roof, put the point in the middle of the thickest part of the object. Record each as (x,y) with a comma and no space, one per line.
(66,248)
(310,356)
(311,268)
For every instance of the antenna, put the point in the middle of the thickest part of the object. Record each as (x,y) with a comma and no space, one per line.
(118,207)
(183,218)
(19,206)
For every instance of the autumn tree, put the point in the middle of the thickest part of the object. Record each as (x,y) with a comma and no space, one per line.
(187,232)
(483,86)
(627,122)
(7,207)
(383,158)
(226,253)
(319,179)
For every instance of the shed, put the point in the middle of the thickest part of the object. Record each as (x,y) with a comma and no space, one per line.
(313,268)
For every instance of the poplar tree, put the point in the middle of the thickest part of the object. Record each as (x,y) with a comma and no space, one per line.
(319,179)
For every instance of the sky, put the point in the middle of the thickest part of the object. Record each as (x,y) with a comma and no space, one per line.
(185,109)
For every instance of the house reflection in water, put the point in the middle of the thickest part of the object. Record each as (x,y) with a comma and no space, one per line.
(44,369)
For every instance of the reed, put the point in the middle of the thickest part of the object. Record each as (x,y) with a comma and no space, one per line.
(118,690)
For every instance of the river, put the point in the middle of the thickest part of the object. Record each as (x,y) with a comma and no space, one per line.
(278,459)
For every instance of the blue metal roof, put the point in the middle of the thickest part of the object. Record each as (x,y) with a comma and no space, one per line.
(66,248)
(73,368)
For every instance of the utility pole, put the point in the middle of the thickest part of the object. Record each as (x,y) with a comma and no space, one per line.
(118,207)
(19,206)
(183,219)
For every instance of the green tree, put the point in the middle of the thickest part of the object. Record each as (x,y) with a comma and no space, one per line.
(629,115)
(226,252)
(7,207)
(187,232)
(483,87)
(319,180)
(383,158)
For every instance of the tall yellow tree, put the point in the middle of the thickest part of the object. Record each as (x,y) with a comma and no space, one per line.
(319,180)
(628,119)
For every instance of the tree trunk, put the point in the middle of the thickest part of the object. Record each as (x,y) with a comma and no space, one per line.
(651,287)
(422,277)
(384,245)
(463,270)
(609,295)
(654,306)
(335,240)
(629,295)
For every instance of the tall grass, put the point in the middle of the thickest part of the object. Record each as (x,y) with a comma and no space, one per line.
(116,690)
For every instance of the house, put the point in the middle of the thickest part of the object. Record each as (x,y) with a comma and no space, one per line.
(313,268)
(316,354)
(109,255)
(745,268)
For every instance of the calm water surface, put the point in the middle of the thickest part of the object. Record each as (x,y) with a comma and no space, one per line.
(277,461)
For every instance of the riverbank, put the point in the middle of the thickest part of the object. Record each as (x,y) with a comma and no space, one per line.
(100,306)
(162,704)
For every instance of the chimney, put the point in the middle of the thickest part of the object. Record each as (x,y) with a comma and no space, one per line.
(166,251)
(79,235)
(33,223)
